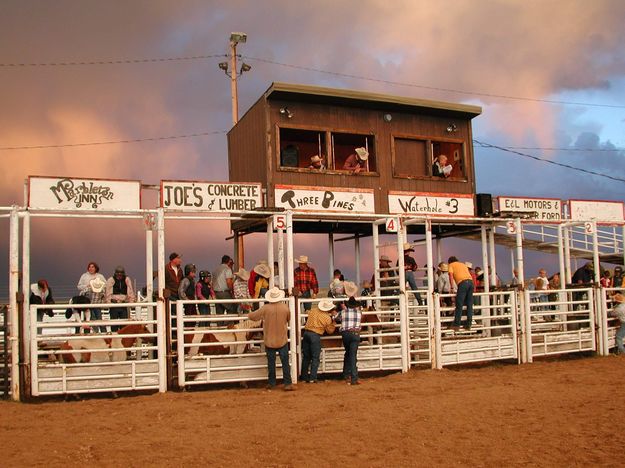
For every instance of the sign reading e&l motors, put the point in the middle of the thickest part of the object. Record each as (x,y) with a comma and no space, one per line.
(298,198)
(221,197)
(68,193)
(431,204)
(541,209)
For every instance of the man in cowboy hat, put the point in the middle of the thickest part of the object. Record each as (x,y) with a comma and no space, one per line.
(119,289)
(319,322)
(223,283)
(357,162)
(443,285)
(388,277)
(261,285)
(618,311)
(241,290)
(351,318)
(306,283)
(316,163)
(462,282)
(410,268)
(275,315)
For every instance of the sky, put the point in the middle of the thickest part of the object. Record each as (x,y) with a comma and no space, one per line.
(547,74)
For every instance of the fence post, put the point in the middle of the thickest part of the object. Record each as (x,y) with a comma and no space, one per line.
(294,341)
(161,344)
(14,314)
(526,311)
(438,346)
(34,356)
(180,343)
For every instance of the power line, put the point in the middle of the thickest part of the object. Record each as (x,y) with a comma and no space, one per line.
(111,62)
(114,142)
(538,148)
(435,88)
(567,166)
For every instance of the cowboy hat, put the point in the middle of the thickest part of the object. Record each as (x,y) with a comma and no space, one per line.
(443,267)
(301,259)
(262,270)
(618,297)
(325,305)
(315,159)
(274,295)
(385,258)
(469,265)
(243,274)
(408,247)
(351,289)
(351,303)
(97,285)
(362,153)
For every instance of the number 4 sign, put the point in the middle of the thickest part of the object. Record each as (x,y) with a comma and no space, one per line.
(392,224)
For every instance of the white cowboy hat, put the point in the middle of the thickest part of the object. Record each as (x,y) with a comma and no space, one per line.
(262,262)
(444,267)
(385,258)
(618,297)
(274,295)
(243,274)
(325,305)
(469,265)
(362,153)
(351,289)
(315,159)
(301,259)
(262,270)
(97,285)
(408,247)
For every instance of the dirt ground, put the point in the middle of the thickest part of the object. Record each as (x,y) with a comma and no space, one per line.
(558,413)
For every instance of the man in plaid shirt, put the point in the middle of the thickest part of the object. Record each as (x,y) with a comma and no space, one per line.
(306,280)
(350,319)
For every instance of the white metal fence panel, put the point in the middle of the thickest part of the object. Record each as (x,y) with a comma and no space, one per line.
(420,329)
(610,324)
(493,333)
(95,356)
(560,321)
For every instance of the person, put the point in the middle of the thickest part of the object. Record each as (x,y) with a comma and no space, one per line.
(41,294)
(618,280)
(74,313)
(251,284)
(261,285)
(479,278)
(357,162)
(542,284)
(515,278)
(275,315)
(440,168)
(410,267)
(241,290)
(204,292)
(388,277)
(606,280)
(91,285)
(443,285)
(276,273)
(173,275)
(463,284)
(319,322)
(584,274)
(119,290)
(306,283)
(316,163)
(350,319)
(337,288)
(186,290)
(223,282)
(618,311)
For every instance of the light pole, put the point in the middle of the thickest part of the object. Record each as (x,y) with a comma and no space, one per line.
(230,69)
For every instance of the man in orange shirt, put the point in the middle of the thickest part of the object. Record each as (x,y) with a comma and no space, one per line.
(461,278)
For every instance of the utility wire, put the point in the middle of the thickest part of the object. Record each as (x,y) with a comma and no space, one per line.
(537,148)
(567,166)
(114,142)
(112,62)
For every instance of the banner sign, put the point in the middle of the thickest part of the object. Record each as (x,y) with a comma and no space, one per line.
(545,209)
(602,211)
(220,197)
(299,198)
(431,204)
(66,193)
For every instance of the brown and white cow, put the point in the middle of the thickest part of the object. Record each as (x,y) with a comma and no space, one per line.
(208,342)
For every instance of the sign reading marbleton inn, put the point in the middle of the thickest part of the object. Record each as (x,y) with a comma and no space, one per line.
(220,197)
(431,204)
(68,193)
(301,198)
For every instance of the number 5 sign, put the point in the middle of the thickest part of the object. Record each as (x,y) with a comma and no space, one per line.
(392,224)
(279,222)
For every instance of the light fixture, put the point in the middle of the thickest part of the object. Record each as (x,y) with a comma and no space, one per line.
(245,68)
(286,112)
(387,117)
(223,66)
(238,37)
(452,128)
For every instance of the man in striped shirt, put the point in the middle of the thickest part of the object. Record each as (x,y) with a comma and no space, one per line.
(305,280)
(319,322)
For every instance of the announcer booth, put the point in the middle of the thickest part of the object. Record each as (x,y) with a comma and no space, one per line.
(64,355)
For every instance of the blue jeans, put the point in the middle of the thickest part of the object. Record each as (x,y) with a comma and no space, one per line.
(271,364)
(307,295)
(351,341)
(620,334)
(464,296)
(412,283)
(96,314)
(311,352)
(118,313)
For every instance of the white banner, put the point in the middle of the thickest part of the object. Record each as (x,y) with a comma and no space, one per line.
(602,211)
(66,193)
(431,204)
(298,198)
(221,197)
(545,209)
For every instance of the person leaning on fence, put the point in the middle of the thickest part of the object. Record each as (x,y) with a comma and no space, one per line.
(186,289)
(41,294)
(204,292)
(618,311)
(173,275)
(306,283)
(443,284)
(275,315)
(241,290)
(91,285)
(319,321)
(350,318)
(261,285)
(119,290)
(357,162)
(462,283)
(223,282)
(410,269)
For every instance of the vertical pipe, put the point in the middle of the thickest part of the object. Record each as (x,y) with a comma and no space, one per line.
(26,287)
(180,342)
(293,341)
(34,347)
(623,243)
(281,258)
(331,254)
(270,252)
(403,303)
(13,290)
(493,260)
(561,259)
(485,258)
(233,85)
(376,262)
(512,262)
(439,250)
(289,252)
(162,314)
(149,264)
(438,345)
(429,258)
(357,255)
(567,256)
(595,252)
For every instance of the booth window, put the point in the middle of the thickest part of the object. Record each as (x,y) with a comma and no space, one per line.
(298,146)
(455,157)
(345,144)
(411,158)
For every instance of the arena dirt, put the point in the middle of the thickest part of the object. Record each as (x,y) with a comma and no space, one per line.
(558,413)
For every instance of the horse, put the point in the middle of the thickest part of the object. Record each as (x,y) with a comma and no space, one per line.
(118,346)
(203,340)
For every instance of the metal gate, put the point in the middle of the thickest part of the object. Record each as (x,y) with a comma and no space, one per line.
(559,321)
(608,325)
(420,330)
(493,333)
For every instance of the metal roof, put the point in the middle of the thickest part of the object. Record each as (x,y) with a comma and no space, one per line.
(320,94)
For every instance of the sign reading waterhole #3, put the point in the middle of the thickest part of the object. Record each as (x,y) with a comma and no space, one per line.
(220,197)
(544,210)
(430,204)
